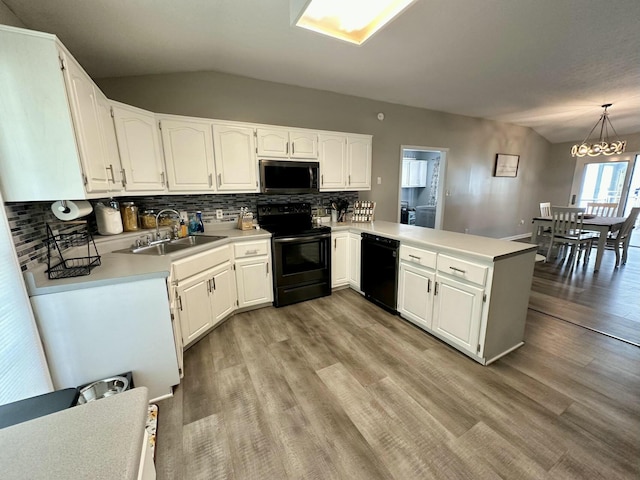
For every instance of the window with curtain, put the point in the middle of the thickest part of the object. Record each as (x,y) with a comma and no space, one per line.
(23,367)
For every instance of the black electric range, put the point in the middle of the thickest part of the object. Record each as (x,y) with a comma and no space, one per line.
(301,252)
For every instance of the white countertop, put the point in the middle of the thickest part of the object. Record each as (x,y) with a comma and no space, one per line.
(98,440)
(489,249)
(124,267)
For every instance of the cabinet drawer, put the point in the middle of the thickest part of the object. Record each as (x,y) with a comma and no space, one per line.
(471,272)
(200,262)
(418,256)
(251,249)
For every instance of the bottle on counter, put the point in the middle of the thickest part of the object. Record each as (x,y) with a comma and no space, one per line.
(199,221)
(193,225)
(183,228)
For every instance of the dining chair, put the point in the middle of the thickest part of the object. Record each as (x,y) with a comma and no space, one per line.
(602,209)
(544,234)
(545,209)
(566,229)
(619,241)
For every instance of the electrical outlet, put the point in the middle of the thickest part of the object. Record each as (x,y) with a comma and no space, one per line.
(379,180)
(219,214)
(522,221)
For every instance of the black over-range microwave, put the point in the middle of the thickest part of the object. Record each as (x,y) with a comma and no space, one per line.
(284,176)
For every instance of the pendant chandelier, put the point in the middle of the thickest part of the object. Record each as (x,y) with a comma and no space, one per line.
(603,146)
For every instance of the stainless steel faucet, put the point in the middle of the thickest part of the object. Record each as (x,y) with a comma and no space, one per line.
(158,219)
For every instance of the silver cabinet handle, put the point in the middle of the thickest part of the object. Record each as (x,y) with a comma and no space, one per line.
(214,282)
(250,252)
(219,180)
(322,179)
(267,268)
(413,256)
(287,148)
(435,289)
(210,180)
(124,177)
(335,243)
(180,302)
(457,270)
(293,148)
(113,178)
(209,286)
(428,285)
(162,178)
(349,179)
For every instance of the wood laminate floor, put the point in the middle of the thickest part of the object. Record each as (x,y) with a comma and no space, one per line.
(336,388)
(607,301)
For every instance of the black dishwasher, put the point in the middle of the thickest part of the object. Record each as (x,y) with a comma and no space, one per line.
(379,270)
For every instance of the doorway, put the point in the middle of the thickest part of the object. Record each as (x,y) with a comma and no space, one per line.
(421,189)
(603,180)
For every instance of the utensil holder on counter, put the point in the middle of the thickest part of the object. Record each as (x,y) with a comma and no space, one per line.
(69,239)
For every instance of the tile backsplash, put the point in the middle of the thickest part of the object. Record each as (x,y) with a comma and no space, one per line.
(27,220)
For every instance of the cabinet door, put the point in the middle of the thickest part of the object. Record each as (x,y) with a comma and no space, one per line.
(139,146)
(354,261)
(253,278)
(303,144)
(194,307)
(333,161)
(235,155)
(273,142)
(112,159)
(406,167)
(358,163)
(89,137)
(340,259)
(415,294)
(457,312)
(223,288)
(188,153)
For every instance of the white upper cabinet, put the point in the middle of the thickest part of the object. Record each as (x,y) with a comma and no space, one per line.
(273,142)
(140,151)
(414,173)
(345,162)
(235,158)
(188,154)
(332,153)
(284,143)
(50,136)
(358,162)
(303,144)
(113,164)
(83,97)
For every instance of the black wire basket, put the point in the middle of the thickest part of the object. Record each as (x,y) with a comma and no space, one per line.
(67,242)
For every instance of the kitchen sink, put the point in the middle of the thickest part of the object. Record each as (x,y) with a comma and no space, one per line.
(172,246)
(192,240)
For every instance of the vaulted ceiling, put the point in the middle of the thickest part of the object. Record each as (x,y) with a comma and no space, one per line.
(545,64)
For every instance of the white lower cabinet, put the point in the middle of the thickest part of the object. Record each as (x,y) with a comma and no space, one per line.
(339,259)
(457,312)
(354,260)
(205,291)
(253,272)
(415,294)
(194,305)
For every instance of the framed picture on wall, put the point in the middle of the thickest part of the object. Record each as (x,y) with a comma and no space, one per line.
(506,165)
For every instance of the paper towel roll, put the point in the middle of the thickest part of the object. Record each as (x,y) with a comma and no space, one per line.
(73,210)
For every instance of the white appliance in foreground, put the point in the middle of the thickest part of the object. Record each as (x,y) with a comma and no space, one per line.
(94,333)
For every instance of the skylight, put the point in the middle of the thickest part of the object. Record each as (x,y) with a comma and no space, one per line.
(350,20)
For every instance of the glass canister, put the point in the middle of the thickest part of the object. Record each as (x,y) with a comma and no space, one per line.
(148,219)
(129,213)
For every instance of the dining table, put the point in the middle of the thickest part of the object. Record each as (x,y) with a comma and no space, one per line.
(602,225)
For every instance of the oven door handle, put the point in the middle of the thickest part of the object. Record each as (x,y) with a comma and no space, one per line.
(297,239)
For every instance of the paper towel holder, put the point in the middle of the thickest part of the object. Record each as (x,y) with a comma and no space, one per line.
(65,208)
